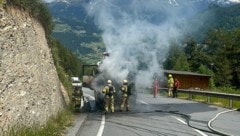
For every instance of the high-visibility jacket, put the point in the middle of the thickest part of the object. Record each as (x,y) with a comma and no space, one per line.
(124,90)
(170,82)
(109,90)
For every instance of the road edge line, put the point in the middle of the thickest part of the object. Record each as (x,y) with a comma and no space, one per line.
(101,128)
(182,121)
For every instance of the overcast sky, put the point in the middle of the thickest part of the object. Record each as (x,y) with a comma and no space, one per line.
(48,0)
(229,0)
(235,0)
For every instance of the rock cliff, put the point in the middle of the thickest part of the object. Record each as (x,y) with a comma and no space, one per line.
(30,90)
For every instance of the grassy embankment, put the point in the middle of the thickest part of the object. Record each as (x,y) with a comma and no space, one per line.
(56,126)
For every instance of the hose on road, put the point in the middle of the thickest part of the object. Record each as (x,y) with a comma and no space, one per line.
(187,118)
(218,131)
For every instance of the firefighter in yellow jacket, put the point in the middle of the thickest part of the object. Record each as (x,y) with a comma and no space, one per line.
(109,91)
(126,92)
(170,85)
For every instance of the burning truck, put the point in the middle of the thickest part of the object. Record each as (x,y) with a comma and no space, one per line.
(95,79)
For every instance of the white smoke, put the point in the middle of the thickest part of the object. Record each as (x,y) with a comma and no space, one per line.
(137,34)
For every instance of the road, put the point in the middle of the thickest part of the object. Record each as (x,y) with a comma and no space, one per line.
(160,116)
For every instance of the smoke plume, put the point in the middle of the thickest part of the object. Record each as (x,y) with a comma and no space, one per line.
(137,34)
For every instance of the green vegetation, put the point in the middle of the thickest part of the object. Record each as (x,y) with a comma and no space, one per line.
(54,127)
(66,63)
(218,56)
(92,58)
(2,2)
(227,90)
(37,10)
(62,28)
(76,30)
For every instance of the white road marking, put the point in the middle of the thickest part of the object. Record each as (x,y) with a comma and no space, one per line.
(101,128)
(142,102)
(200,132)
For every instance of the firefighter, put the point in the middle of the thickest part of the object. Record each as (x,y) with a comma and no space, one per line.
(126,92)
(155,87)
(77,96)
(170,85)
(109,91)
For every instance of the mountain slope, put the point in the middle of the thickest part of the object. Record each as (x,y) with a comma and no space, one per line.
(75,30)
(78,32)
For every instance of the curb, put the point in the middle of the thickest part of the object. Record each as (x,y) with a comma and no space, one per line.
(72,131)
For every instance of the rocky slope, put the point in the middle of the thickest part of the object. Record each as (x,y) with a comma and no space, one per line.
(30,90)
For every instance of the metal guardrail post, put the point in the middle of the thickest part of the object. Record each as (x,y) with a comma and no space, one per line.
(209,94)
(230,105)
(190,96)
(208,99)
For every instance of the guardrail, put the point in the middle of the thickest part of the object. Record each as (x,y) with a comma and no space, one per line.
(208,94)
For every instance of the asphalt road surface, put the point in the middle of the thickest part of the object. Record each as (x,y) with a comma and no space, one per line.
(159,116)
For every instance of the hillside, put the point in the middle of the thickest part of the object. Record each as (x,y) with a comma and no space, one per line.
(218,18)
(29,85)
(78,32)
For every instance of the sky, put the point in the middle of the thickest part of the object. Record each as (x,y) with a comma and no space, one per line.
(238,1)
(48,0)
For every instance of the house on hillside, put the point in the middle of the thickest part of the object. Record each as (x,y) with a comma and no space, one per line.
(190,80)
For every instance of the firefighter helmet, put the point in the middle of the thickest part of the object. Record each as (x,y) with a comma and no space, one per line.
(109,82)
(98,63)
(125,81)
(169,75)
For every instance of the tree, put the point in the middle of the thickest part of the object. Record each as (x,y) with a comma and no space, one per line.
(205,70)
(181,63)
(233,50)
(196,54)
(176,59)
(218,42)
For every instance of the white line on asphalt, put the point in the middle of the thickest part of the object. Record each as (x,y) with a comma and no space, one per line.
(200,132)
(100,130)
(142,102)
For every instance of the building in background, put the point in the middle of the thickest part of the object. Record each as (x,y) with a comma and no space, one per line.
(190,80)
